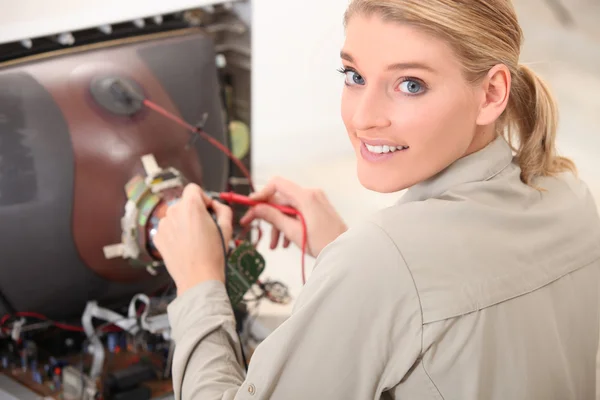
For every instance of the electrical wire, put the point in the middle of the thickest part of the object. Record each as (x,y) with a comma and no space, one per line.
(9,308)
(123,90)
(224,247)
(65,327)
(155,107)
(195,130)
(165,113)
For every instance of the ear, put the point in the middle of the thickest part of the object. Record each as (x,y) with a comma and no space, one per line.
(496,90)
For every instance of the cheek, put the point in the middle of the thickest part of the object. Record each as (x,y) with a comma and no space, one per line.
(347,110)
(437,121)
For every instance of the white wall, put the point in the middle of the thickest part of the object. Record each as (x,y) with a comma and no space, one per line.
(296,88)
(569,59)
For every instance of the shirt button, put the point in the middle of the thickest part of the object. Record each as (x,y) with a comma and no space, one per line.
(251,390)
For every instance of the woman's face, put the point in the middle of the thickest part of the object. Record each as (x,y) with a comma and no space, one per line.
(408,109)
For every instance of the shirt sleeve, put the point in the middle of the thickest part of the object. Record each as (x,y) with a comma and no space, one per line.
(354,333)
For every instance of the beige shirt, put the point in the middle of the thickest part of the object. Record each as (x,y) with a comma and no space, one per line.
(473,287)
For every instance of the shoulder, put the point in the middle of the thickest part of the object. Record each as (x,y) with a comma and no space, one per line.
(366,244)
(364,263)
(478,211)
(481,243)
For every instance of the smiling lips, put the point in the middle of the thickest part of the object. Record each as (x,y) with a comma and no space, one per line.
(384,148)
(377,151)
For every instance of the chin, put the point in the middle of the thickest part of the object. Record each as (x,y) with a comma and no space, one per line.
(380,184)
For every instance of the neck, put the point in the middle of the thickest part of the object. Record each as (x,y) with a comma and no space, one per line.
(481,139)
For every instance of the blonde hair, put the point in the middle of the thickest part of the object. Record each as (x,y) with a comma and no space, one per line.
(484,33)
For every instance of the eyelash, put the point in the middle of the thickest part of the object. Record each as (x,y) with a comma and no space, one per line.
(345,70)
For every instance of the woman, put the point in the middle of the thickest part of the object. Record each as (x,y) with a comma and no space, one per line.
(481,283)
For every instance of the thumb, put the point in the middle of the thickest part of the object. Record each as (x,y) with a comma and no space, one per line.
(224,218)
(289,226)
(193,195)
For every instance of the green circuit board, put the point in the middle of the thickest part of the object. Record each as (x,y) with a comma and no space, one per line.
(244,266)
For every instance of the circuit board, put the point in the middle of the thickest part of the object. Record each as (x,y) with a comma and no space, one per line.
(51,363)
(244,266)
(137,365)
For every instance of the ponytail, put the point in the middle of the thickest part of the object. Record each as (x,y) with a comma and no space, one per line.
(533,116)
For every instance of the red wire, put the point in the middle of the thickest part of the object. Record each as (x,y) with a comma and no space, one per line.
(204,136)
(238,162)
(66,327)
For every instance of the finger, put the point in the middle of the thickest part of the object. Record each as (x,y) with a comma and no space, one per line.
(208,201)
(279,198)
(265,193)
(286,242)
(224,217)
(291,192)
(290,227)
(248,217)
(193,194)
(274,237)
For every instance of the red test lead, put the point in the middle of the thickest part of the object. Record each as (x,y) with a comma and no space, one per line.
(235,198)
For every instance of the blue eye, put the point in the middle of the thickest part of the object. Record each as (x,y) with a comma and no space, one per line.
(352,77)
(411,87)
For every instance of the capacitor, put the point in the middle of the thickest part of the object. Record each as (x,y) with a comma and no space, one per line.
(24,360)
(48,371)
(37,377)
(56,378)
(112,342)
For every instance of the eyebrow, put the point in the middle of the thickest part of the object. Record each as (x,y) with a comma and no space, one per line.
(393,67)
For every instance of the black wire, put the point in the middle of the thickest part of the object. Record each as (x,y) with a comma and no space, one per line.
(225,253)
(167,291)
(224,248)
(10,309)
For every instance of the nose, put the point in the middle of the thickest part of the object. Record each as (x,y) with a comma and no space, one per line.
(370,111)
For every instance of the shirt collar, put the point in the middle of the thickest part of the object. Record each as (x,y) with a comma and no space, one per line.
(476,167)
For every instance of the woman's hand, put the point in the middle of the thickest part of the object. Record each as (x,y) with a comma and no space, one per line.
(323,223)
(189,241)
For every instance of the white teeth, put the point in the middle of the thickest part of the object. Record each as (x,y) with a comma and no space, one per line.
(384,149)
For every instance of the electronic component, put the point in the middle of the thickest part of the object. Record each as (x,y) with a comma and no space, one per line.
(128,381)
(240,139)
(66,158)
(78,386)
(147,200)
(244,266)
(105,91)
(110,111)
(120,356)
